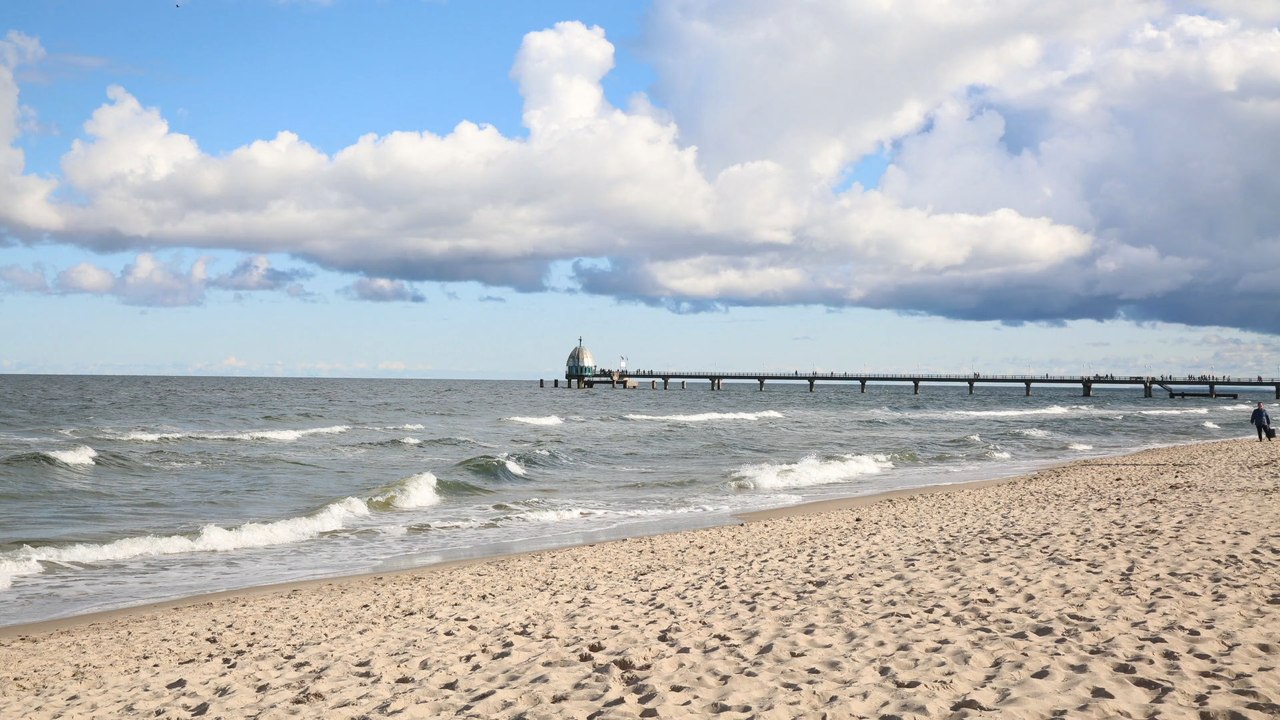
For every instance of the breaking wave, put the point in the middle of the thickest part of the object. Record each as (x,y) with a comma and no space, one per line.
(547,420)
(1212,425)
(808,471)
(710,416)
(415,491)
(1051,410)
(276,435)
(82,455)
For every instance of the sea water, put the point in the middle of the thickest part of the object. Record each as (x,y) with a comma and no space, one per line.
(117,491)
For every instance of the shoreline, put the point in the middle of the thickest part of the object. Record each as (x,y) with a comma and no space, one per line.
(807,507)
(1121,586)
(752,516)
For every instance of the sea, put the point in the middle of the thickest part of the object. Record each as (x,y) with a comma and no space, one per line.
(121,491)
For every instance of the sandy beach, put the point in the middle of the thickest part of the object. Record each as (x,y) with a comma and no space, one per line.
(1139,586)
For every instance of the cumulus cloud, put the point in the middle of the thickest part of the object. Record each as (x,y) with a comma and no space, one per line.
(384,290)
(24,199)
(1045,162)
(151,282)
(256,273)
(20,278)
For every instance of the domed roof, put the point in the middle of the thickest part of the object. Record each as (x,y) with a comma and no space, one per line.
(581,357)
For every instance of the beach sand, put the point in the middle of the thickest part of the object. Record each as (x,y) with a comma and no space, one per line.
(1137,586)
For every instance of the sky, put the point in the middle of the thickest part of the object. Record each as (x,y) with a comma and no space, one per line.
(448,189)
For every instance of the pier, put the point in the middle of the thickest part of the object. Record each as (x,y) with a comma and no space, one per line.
(1216,387)
(581,371)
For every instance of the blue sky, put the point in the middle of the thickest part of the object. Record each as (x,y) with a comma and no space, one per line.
(461,189)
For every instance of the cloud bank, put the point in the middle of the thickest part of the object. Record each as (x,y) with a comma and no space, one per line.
(1046,162)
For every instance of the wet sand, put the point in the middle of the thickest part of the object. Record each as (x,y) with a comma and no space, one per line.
(1134,586)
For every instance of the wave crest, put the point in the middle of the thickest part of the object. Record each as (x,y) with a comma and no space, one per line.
(709,416)
(808,471)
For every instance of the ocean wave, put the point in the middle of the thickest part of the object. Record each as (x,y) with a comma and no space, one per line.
(1032,432)
(710,416)
(211,538)
(1051,410)
(499,467)
(996,454)
(1079,446)
(547,420)
(80,455)
(1194,411)
(276,435)
(1212,425)
(808,471)
(416,491)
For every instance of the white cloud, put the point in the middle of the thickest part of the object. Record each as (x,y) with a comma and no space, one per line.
(20,278)
(1048,161)
(384,290)
(24,199)
(86,278)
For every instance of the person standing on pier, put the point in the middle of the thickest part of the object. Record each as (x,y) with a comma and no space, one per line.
(1262,421)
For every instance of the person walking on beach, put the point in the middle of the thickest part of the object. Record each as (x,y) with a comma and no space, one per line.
(1262,421)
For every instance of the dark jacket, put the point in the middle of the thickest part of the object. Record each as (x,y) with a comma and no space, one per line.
(1260,418)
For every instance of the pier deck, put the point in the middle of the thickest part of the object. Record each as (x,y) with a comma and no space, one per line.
(1176,387)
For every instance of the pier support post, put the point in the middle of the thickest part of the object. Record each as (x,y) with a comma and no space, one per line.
(682,384)
(1146,390)
(1213,390)
(542,383)
(915,387)
(665,383)
(863,383)
(556,382)
(653,385)
(1278,392)
(761,381)
(811,383)
(1028,384)
(970,387)
(1088,388)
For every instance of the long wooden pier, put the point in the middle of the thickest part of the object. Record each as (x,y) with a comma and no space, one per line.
(1199,386)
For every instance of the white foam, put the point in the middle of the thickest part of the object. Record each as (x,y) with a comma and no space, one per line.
(1033,432)
(153,437)
(551,516)
(1196,411)
(709,417)
(514,467)
(282,435)
(974,437)
(999,454)
(81,455)
(410,441)
(278,435)
(414,491)
(9,569)
(809,471)
(1211,425)
(211,538)
(1051,410)
(1079,446)
(410,426)
(548,420)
